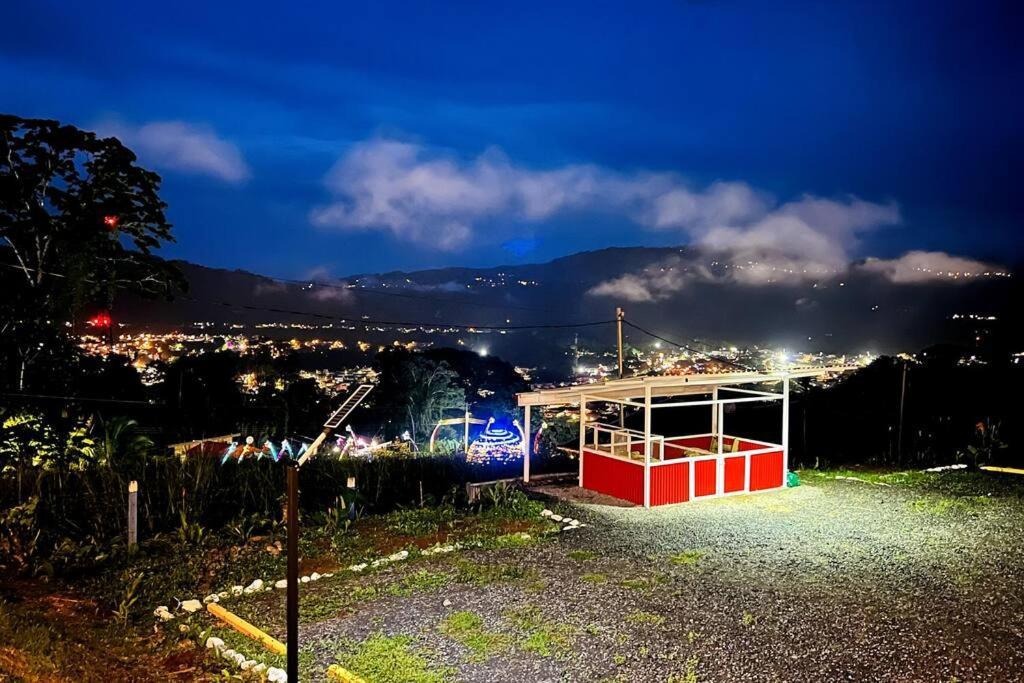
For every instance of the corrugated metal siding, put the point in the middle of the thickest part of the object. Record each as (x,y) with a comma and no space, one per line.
(704,477)
(670,484)
(735,473)
(766,471)
(613,477)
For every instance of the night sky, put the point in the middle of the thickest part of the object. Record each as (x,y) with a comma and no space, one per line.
(296,139)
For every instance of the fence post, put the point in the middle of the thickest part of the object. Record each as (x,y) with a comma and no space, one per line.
(133,514)
(292,597)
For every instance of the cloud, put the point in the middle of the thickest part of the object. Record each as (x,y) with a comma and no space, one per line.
(437,200)
(808,239)
(916,267)
(181,146)
(652,284)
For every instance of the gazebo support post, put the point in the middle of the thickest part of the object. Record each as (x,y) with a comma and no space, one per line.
(647,446)
(714,411)
(526,445)
(720,436)
(583,432)
(785,428)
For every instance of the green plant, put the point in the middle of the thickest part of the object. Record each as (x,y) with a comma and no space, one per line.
(687,557)
(129,596)
(243,528)
(646,618)
(191,533)
(986,444)
(19,533)
(468,629)
(384,659)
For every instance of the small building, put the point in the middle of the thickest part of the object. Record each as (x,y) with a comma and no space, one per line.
(647,468)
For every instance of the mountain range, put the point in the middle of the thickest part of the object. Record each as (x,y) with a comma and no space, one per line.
(679,293)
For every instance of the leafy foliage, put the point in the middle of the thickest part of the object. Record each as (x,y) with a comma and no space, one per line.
(79,221)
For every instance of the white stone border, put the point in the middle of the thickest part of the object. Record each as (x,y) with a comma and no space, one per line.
(275,675)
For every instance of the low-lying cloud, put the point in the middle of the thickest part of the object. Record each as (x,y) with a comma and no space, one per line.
(916,267)
(182,146)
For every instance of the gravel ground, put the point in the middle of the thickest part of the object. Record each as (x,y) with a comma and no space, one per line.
(839,580)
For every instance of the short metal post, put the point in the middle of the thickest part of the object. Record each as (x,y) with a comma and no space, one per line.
(293,571)
(133,514)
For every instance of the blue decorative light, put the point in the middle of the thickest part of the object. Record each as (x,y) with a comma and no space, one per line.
(496,444)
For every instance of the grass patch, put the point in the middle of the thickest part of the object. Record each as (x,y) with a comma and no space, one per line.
(517,540)
(688,676)
(581,555)
(481,574)
(383,659)
(544,637)
(467,628)
(955,483)
(594,578)
(641,584)
(421,521)
(943,506)
(639,617)
(687,557)
(330,600)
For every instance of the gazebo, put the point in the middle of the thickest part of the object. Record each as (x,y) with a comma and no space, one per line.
(648,469)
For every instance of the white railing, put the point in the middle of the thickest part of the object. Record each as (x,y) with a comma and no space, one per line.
(620,441)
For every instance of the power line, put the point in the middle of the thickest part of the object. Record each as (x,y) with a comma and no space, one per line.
(689,348)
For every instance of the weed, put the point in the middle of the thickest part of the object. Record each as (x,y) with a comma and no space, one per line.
(748,619)
(421,521)
(384,659)
(544,638)
(129,597)
(619,660)
(468,628)
(690,676)
(942,506)
(582,555)
(484,574)
(646,618)
(594,578)
(687,557)
(189,533)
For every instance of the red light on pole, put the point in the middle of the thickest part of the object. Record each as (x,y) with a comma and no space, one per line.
(111,222)
(100,320)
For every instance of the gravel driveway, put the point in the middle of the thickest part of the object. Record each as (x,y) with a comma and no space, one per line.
(838,580)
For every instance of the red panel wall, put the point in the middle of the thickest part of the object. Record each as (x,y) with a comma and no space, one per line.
(704,477)
(766,471)
(735,471)
(670,483)
(613,477)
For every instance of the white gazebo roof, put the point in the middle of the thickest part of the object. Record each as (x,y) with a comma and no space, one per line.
(666,385)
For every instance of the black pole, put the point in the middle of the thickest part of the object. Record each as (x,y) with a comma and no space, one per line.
(293,571)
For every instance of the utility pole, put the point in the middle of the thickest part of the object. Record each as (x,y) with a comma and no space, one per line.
(899,429)
(619,316)
(292,522)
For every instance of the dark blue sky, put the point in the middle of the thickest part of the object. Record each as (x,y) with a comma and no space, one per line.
(245,108)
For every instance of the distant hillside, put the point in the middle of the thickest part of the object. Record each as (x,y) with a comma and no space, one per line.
(860,311)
